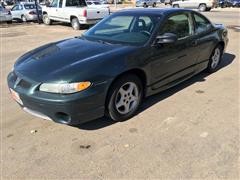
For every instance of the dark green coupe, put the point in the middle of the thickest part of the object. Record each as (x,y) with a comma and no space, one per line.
(109,69)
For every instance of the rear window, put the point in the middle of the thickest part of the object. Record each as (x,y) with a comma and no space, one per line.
(30,6)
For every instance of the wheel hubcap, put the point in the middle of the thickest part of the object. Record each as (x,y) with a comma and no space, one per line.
(24,19)
(202,8)
(127,98)
(75,25)
(46,19)
(216,58)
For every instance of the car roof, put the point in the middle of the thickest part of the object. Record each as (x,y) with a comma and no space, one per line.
(153,11)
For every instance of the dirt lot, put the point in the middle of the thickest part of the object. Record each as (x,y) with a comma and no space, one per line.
(190,131)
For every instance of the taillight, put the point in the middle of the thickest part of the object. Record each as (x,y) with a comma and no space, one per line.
(84,13)
(32,12)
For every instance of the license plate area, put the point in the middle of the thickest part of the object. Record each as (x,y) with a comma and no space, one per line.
(16,96)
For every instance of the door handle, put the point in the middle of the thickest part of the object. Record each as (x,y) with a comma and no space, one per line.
(98,12)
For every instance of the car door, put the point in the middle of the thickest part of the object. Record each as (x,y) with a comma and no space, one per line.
(193,4)
(53,10)
(16,12)
(173,61)
(205,38)
(185,4)
(61,12)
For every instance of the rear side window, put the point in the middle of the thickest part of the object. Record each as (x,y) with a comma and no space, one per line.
(179,25)
(75,3)
(30,6)
(201,24)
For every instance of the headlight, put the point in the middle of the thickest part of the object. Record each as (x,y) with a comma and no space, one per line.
(65,88)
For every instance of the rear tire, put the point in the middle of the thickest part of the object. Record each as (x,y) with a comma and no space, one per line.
(202,7)
(124,98)
(9,22)
(215,59)
(75,24)
(46,19)
(154,5)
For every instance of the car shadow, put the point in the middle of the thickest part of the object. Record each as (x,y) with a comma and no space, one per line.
(150,101)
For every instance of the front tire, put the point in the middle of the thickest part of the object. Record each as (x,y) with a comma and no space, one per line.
(154,5)
(215,59)
(75,24)
(46,19)
(124,98)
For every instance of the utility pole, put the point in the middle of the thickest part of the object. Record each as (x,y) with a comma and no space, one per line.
(115,2)
(36,4)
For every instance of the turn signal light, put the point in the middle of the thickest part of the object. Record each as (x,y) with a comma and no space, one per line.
(83,85)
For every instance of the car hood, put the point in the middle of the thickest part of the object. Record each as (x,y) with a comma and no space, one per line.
(50,61)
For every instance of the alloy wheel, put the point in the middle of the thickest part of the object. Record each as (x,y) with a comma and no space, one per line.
(24,19)
(127,98)
(216,58)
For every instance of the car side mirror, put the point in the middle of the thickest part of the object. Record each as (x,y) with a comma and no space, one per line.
(166,38)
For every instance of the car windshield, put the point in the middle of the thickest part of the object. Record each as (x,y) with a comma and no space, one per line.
(31,6)
(123,29)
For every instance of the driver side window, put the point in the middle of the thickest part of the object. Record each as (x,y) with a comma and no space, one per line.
(177,24)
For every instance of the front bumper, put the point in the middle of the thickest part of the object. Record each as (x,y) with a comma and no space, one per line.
(71,109)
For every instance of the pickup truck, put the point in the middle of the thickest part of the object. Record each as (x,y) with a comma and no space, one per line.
(201,5)
(146,3)
(75,12)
